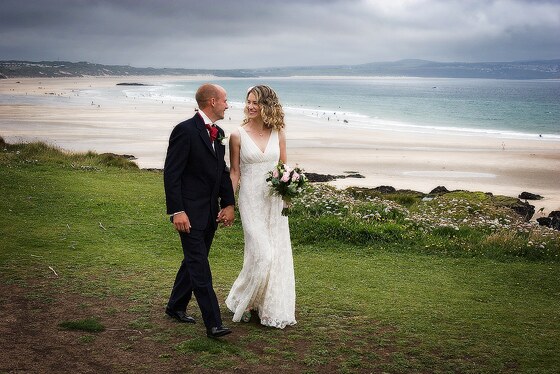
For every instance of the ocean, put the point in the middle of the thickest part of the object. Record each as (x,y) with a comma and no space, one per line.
(506,108)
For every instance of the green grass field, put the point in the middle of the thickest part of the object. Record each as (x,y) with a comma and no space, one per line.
(392,286)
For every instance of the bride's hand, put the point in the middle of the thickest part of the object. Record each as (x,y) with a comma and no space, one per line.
(226,216)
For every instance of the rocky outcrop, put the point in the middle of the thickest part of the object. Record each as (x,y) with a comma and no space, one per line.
(385,189)
(552,221)
(529,196)
(131,84)
(439,190)
(524,209)
(315,177)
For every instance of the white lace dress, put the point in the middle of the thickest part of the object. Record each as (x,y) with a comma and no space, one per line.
(266,282)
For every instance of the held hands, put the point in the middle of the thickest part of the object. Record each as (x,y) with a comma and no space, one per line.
(182,223)
(226,216)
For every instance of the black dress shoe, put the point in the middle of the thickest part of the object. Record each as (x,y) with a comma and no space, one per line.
(216,332)
(179,315)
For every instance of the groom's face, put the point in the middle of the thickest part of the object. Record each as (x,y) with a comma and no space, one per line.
(220,105)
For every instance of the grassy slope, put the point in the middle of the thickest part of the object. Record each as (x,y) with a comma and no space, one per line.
(104,231)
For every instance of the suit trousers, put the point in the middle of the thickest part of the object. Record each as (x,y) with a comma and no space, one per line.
(194,276)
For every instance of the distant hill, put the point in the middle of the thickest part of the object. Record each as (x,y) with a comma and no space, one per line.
(50,69)
(420,68)
(545,69)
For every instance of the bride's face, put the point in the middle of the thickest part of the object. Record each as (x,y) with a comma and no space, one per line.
(253,107)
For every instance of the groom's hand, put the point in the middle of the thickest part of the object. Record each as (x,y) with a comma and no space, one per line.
(182,223)
(226,216)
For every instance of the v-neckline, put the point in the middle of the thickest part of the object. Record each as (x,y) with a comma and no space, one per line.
(255,143)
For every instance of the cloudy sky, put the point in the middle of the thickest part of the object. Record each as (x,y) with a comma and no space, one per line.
(222,34)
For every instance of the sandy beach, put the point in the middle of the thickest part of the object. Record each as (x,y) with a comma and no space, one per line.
(57,111)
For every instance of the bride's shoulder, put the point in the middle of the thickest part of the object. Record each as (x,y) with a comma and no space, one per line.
(236,133)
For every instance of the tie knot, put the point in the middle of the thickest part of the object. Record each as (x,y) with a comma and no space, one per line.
(212,130)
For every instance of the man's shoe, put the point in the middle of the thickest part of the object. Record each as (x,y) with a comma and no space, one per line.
(216,332)
(179,315)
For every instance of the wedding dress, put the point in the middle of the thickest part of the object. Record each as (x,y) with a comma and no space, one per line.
(266,282)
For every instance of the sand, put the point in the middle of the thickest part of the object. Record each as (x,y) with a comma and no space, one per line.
(59,113)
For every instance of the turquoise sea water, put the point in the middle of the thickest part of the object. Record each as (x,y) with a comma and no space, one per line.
(519,108)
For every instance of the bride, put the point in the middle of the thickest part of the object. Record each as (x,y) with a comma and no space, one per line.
(266,284)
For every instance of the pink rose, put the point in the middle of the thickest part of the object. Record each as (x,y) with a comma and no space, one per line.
(295,177)
(285,177)
(275,173)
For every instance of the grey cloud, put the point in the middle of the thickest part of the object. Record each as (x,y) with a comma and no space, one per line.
(251,33)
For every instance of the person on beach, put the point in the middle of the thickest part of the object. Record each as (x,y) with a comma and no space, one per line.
(266,283)
(197,183)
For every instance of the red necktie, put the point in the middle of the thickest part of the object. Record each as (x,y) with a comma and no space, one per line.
(213,131)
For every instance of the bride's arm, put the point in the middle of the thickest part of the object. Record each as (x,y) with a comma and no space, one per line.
(234,149)
(282,140)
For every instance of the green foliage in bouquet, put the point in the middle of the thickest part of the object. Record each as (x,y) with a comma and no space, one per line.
(286,182)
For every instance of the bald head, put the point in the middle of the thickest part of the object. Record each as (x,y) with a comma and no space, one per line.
(206,93)
(212,100)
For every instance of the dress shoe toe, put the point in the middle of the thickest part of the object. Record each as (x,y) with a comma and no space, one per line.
(179,315)
(216,332)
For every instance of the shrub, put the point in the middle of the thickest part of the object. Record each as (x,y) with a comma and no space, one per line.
(459,223)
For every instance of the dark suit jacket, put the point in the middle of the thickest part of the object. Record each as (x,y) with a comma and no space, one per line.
(195,177)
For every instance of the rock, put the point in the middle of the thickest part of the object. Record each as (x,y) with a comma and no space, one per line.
(385,189)
(354,175)
(529,196)
(439,190)
(315,177)
(552,221)
(131,84)
(555,219)
(554,214)
(524,209)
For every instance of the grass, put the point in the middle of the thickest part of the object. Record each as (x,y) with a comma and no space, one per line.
(455,284)
(88,325)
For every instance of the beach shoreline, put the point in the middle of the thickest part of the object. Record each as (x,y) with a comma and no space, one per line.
(55,110)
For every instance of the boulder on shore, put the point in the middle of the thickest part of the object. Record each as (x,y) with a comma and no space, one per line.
(552,221)
(315,177)
(439,190)
(529,196)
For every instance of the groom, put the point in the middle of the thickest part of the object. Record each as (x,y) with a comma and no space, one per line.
(197,183)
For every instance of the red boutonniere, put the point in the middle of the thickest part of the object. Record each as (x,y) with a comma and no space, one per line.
(213,130)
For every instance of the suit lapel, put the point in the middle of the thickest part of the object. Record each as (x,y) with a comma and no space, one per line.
(204,134)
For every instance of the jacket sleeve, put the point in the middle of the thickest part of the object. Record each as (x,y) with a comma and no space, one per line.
(175,163)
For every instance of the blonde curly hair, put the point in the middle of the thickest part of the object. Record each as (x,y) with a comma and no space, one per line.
(271,110)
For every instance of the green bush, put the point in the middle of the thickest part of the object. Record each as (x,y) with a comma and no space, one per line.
(460,224)
(344,230)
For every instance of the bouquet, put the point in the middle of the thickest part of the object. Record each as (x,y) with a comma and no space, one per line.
(287,183)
